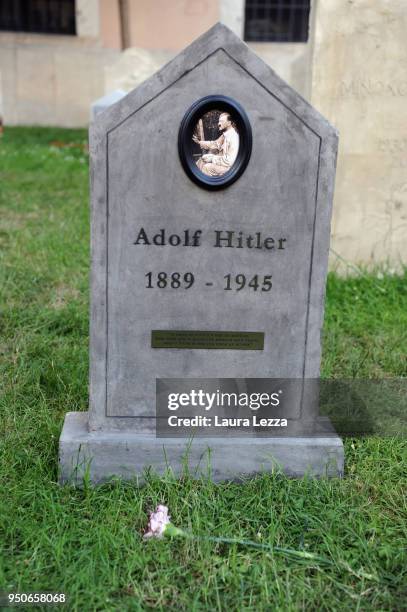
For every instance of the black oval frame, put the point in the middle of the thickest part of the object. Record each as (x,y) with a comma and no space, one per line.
(185,143)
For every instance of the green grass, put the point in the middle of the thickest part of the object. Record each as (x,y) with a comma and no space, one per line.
(87,542)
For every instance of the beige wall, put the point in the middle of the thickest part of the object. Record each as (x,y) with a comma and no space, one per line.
(170,25)
(50,80)
(110,25)
(72,71)
(134,65)
(87,18)
(231,13)
(53,80)
(360,84)
(291,61)
(156,31)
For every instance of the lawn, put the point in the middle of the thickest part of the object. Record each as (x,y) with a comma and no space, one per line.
(87,543)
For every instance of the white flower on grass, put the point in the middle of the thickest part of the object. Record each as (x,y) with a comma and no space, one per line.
(159,524)
(159,519)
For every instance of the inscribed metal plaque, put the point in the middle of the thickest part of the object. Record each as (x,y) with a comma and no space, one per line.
(194,339)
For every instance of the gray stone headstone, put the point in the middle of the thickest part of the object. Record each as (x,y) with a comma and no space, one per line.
(101,104)
(141,198)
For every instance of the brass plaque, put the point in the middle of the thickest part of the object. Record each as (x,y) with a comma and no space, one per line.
(192,339)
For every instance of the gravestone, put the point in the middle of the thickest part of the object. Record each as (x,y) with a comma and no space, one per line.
(211,193)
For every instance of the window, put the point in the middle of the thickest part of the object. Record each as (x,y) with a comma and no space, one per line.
(41,16)
(276,20)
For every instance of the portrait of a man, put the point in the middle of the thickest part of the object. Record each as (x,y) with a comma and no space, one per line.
(220,153)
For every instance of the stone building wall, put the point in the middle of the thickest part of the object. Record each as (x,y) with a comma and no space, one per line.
(52,80)
(359,82)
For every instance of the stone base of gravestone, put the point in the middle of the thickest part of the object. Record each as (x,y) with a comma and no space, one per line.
(102,455)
